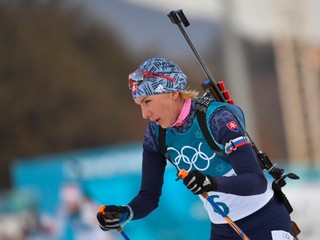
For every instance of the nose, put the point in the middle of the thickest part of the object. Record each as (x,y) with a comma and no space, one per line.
(145,113)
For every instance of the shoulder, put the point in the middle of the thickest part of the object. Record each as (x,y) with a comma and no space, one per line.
(214,108)
(219,114)
(225,112)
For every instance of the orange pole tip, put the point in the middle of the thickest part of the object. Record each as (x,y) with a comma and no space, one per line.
(183,173)
(101,209)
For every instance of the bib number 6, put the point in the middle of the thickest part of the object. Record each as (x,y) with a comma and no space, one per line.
(221,205)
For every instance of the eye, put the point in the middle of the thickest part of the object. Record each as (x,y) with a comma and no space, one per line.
(147,101)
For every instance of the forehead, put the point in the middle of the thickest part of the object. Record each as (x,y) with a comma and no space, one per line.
(155,97)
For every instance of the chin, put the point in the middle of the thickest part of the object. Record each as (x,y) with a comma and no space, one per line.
(163,125)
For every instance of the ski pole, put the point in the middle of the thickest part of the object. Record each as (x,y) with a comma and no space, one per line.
(183,174)
(119,229)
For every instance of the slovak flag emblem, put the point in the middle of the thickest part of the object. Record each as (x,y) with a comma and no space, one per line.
(134,89)
(233,126)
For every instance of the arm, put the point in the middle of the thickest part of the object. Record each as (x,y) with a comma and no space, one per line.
(153,167)
(250,179)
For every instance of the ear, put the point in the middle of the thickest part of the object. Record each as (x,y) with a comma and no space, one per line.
(175,95)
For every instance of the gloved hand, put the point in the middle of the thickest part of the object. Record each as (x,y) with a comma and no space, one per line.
(110,217)
(199,183)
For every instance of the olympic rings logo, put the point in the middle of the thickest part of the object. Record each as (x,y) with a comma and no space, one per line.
(194,161)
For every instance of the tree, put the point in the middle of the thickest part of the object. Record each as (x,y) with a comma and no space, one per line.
(63,84)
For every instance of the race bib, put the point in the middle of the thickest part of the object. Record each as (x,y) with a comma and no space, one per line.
(281,235)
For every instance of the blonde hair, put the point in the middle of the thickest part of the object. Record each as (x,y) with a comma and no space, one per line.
(189,94)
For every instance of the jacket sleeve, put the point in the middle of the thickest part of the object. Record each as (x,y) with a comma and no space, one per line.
(153,167)
(249,179)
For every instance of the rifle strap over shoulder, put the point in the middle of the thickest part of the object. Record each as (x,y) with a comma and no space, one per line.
(201,113)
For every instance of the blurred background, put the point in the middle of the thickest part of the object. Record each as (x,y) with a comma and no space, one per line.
(71,135)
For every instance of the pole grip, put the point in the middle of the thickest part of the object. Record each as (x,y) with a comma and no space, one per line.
(183,174)
(102,209)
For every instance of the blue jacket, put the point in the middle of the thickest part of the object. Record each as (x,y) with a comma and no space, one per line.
(237,175)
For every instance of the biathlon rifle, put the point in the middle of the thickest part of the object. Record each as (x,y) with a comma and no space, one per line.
(220,93)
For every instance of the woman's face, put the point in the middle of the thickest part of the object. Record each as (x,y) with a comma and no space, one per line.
(163,109)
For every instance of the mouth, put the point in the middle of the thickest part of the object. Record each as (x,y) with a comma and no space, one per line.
(157,121)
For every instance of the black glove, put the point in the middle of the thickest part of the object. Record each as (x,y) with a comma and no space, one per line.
(110,217)
(199,183)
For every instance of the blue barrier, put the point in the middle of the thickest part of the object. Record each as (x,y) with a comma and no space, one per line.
(112,176)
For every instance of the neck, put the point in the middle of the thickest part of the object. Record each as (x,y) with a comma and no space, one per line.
(184,113)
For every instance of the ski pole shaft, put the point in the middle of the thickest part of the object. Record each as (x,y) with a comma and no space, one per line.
(183,174)
(123,234)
